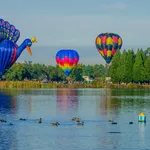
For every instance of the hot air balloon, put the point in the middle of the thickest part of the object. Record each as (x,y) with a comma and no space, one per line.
(9,50)
(66,60)
(107,44)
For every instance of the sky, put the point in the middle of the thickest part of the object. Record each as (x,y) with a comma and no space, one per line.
(59,24)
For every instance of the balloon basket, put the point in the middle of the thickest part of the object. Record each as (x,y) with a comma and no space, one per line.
(108,66)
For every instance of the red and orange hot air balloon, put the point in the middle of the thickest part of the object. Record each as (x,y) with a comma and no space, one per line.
(107,44)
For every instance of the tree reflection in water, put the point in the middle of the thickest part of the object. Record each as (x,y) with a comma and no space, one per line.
(7,132)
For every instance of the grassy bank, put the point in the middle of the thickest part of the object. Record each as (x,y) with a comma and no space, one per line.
(95,84)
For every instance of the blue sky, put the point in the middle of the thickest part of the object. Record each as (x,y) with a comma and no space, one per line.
(75,24)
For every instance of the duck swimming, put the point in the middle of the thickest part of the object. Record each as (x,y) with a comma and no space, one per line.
(110,120)
(54,124)
(1,120)
(39,120)
(80,123)
(75,119)
(131,122)
(22,119)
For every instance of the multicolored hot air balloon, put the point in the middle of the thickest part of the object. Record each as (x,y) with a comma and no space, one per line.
(107,44)
(66,60)
(9,50)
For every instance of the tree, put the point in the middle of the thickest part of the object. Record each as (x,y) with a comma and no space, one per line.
(147,52)
(147,67)
(122,68)
(76,74)
(99,71)
(143,55)
(88,71)
(114,74)
(139,71)
(129,66)
(16,72)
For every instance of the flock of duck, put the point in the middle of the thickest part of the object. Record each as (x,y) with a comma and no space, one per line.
(112,122)
(78,121)
(40,121)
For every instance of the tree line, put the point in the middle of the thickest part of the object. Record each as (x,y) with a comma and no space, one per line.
(36,71)
(129,66)
(126,66)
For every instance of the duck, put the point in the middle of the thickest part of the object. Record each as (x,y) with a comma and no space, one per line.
(55,124)
(114,123)
(130,122)
(110,120)
(113,132)
(39,120)
(80,123)
(75,119)
(2,120)
(11,124)
(22,119)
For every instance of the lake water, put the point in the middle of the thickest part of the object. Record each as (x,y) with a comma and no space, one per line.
(94,106)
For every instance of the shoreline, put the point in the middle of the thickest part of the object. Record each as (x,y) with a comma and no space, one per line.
(40,85)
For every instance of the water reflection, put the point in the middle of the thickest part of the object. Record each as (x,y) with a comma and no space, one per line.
(142,126)
(7,137)
(7,132)
(94,106)
(114,101)
(67,100)
(107,106)
(7,103)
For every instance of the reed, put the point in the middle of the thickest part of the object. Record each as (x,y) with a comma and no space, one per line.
(37,84)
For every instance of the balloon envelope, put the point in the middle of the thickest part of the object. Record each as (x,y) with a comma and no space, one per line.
(9,50)
(66,60)
(9,35)
(107,44)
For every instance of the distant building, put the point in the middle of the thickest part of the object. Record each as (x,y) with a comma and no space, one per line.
(108,79)
(26,79)
(44,80)
(87,79)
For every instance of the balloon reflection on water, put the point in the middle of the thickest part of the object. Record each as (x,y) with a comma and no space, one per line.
(67,99)
(7,103)
(7,133)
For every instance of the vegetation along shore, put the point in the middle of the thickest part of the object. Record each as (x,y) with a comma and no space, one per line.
(94,84)
(127,70)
